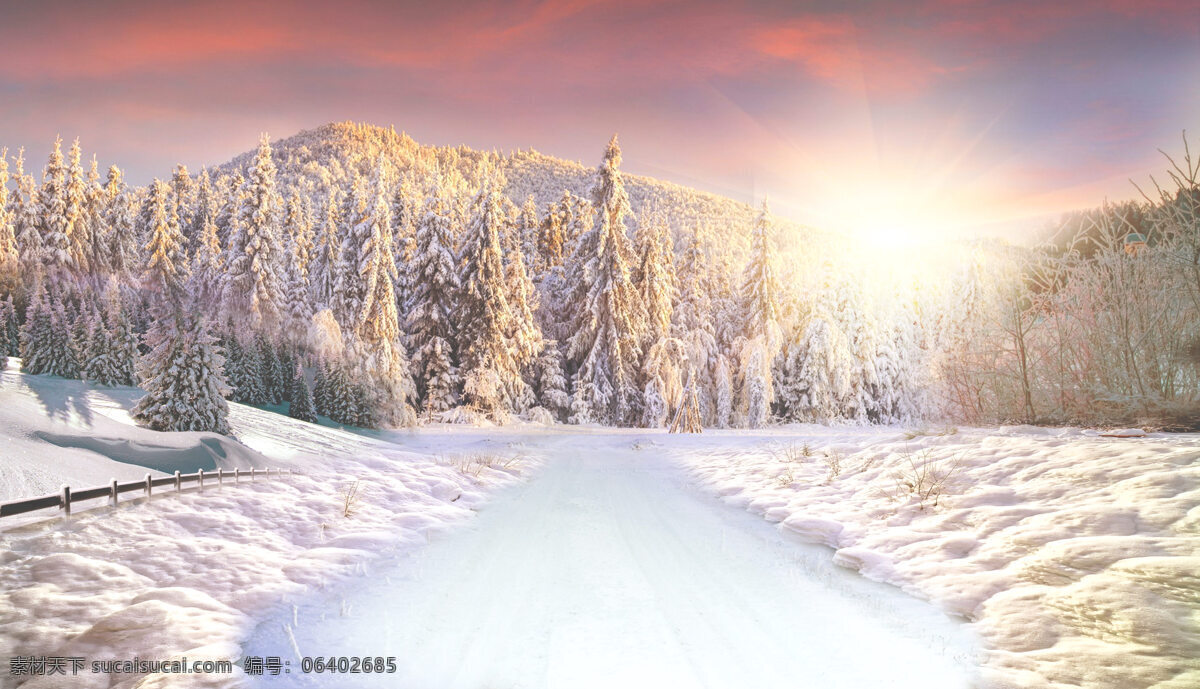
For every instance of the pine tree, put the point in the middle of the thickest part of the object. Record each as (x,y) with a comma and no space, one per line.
(37,348)
(381,365)
(604,347)
(328,252)
(528,229)
(245,370)
(299,304)
(275,378)
(206,210)
(54,225)
(253,292)
(551,383)
(31,249)
(100,361)
(124,341)
(95,207)
(321,390)
(10,329)
(10,260)
(656,278)
(301,405)
(490,357)
(122,229)
(183,372)
(407,211)
(525,337)
(78,230)
(759,303)
(662,375)
(692,323)
(434,290)
(207,268)
(183,198)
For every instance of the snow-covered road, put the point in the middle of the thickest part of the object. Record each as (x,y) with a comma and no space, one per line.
(610,569)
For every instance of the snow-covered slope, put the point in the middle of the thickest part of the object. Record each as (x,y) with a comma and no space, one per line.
(56,431)
(1078,555)
(183,575)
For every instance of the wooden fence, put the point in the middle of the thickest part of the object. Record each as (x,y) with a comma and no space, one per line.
(114,490)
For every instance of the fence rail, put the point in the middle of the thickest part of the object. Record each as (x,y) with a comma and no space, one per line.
(114,490)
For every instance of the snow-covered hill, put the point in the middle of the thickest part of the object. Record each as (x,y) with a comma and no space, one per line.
(318,158)
(183,576)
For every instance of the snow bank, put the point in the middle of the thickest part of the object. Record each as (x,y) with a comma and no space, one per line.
(183,575)
(1077,556)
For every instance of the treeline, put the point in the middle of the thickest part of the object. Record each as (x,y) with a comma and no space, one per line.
(1097,325)
(359,276)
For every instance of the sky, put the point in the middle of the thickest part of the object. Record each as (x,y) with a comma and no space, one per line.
(928,118)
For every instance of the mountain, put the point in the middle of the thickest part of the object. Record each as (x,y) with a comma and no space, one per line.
(317,159)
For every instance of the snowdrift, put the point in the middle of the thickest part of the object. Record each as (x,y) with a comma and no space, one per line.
(1076,555)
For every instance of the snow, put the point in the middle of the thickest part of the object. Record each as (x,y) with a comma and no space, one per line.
(1075,555)
(609,568)
(185,575)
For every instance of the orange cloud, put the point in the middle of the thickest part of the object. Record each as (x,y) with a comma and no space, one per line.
(831,50)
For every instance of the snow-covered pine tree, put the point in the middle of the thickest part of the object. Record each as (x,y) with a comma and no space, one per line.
(528,228)
(276,379)
(407,210)
(552,236)
(182,374)
(78,228)
(551,383)
(301,404)
(328,251)
(122,230)
(663,378)
(723,393)
(124,341)
(183,198)
(525,337)
(38,351)
(433,299)
(10,328)
(94,210)
(381,365)
(10,259)
(100,364)
(692,324)
(604,347)
(321,389)
(207,268)
(53,223)
(487,323)
(253,294)
(759,305)
(243,366)
(31,249)
(205,211)
(299,303)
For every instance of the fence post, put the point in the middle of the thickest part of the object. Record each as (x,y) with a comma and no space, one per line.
(149,486)
(66,499)
(220,476)
(237,474)
(201,480)
(178,482)
(112,492)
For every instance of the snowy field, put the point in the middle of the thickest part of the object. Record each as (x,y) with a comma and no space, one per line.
(614,562)
(1078,556)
